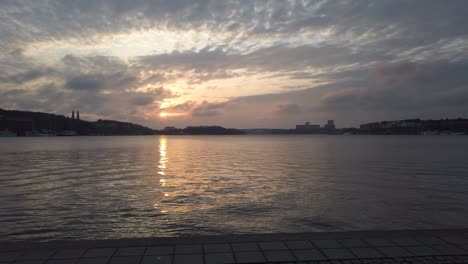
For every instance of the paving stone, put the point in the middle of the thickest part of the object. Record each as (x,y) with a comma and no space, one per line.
(279,256)
(219,258)
(189,249)
(93,261)
(217,248)
(159,250)
(309,254)
(299,244)
(449,250)
(276,245)
(188,259)
(405,241)
(245,247)
(455,239)
(69,253)
(422,251)
(338,253)
(157,260)
(9,256)
(250,257)
(465,247)
(130,251)
(394,252)
(352,243)
(326,243)
(366,253)
(125,260)
(99,252)
(61,261)
(379,242)
(36,255)
(430,240)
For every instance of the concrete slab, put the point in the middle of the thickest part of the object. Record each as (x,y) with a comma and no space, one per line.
(395,252)
(274,245)
(189,249)
(338,253)
(160,250)
(352,243)
(379,242)
(239,247)
(99,252)
(126,260)
(299,244)
(130,251)
(448,246)
(328,243)
(219,258)
(279,256)
(366,253)
(188,259)
(217,248)
(61,261)
(250,257)
(157,260)
(93,261)
(69,253)
(309,254)
(406,241)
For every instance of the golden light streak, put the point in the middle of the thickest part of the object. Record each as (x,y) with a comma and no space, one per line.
(165,114)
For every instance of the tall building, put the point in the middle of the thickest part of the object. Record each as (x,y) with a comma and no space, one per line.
(330,124)
(77,114)
(73,114)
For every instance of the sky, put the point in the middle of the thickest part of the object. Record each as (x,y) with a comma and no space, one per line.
(242,64)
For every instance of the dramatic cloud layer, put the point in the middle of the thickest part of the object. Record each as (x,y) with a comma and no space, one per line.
(236,63)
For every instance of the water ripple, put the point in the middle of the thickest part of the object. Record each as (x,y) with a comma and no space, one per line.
(114,187)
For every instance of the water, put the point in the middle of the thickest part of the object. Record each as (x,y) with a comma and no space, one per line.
(115,187)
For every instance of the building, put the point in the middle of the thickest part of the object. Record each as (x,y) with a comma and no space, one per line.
(330,124)
(17,125)
(307,127)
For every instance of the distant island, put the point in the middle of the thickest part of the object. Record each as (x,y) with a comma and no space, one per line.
(25,123)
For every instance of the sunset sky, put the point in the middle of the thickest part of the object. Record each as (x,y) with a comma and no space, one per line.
(243,64)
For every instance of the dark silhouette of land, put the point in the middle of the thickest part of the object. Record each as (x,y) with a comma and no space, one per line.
(26,123)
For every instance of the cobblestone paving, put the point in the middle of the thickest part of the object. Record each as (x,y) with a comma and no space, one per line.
(428,247)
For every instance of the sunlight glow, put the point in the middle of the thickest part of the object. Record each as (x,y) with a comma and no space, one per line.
(165,114)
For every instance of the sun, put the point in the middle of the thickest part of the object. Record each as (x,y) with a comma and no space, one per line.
(163,114)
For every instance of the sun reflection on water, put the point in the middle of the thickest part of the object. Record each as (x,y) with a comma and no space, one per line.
(162,165)
(162,155)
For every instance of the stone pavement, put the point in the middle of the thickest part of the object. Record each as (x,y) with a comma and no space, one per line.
(368,247)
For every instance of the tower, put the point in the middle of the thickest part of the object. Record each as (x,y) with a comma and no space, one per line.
(73,114)
(77,114)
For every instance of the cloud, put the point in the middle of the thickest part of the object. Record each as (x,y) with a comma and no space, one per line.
(86,82)
(143,100)
(96,82)
(26,76)
(288,109)
(206,109)
(308,60)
